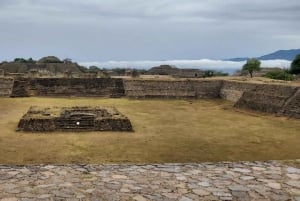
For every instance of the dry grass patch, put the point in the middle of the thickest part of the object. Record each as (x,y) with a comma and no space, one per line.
(165,131)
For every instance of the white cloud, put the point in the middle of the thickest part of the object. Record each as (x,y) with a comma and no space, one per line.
(201,64)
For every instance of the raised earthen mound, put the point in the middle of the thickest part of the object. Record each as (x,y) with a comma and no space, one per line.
(49,59)
(39,119)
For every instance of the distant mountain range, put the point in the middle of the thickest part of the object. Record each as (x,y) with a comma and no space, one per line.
(280,54)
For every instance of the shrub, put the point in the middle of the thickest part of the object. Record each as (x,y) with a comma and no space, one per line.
(279,75)
(212,73)
(208,73)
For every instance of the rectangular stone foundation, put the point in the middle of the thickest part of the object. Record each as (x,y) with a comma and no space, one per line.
(76,119)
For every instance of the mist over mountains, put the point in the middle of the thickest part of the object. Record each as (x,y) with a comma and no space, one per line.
(280,58)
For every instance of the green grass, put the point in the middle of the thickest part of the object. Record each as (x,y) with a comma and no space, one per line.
(165,131)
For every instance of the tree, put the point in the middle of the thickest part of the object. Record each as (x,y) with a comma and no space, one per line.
(208,73)
(295,65)
(30,60)
(20,60)
(251,65)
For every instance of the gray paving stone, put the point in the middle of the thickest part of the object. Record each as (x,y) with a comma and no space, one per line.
(139,198)
(292,170)
(185,182)
(238,188)
(44,196)
(274,185)
(200,192)
(185,199)
(204,184)
(295,184)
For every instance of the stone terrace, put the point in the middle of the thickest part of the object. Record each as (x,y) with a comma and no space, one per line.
(206,181)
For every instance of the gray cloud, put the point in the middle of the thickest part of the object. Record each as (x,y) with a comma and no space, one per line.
(153,30)
(156,9)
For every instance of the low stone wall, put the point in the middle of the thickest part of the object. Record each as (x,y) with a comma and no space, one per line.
(172,89)
(233,91)
(99,87)
(266,98)
(276,99)
(6,85)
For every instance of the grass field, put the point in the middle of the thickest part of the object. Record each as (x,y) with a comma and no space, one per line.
(165,131)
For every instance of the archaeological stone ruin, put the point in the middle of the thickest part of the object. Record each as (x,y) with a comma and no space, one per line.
(279,99)
(39,119)
(6,86)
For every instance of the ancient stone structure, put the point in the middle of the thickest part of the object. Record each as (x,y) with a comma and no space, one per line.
(100,87)
(74,119)
(6,85)
(172,89)
(175,72)
(33,73)
(20,88)
(162,70)
(50,59)
(291,107)
(53,65)
(233,91)
(266,98)
(272,98)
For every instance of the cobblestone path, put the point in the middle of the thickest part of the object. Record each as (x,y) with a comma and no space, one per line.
(205,181)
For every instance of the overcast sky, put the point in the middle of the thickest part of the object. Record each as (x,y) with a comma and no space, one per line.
(127,30)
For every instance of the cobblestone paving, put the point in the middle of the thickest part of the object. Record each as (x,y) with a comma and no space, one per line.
(206,181)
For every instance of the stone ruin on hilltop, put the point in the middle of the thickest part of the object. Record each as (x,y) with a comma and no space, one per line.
(39,119)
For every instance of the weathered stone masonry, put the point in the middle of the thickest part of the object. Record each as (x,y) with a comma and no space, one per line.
(268,98)
(172,89)
(48,119)
(233,91)
(292,105)
(98,87)
(271,98)
(6,86)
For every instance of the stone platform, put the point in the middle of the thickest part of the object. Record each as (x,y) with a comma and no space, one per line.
(185,182)
(39,119)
